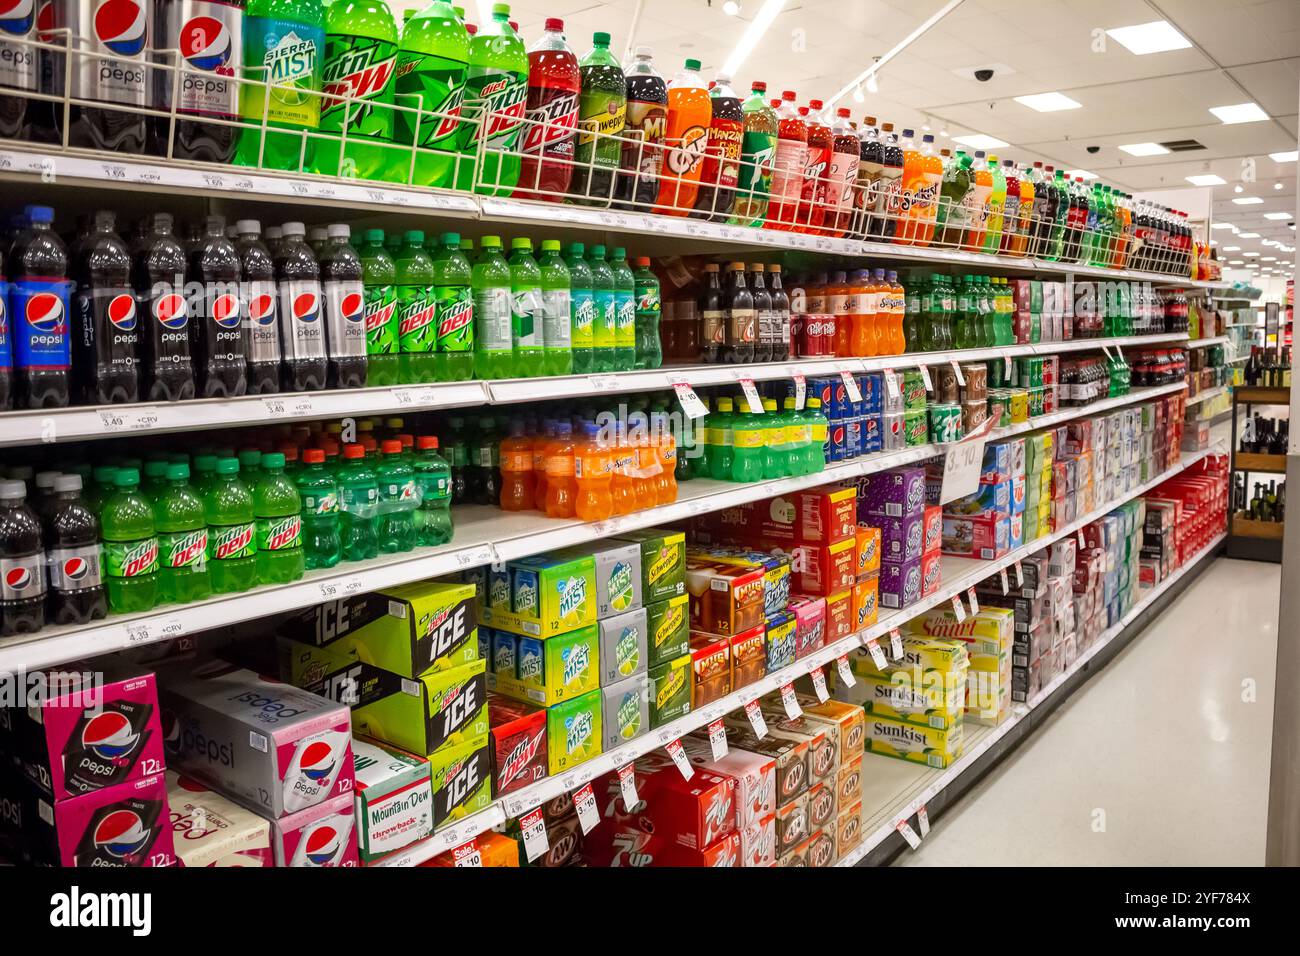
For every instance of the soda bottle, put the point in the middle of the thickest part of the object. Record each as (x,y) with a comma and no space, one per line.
(526,312)
(383,325)
(417,309)
(20,71)
(625,311)
(927,196)
(912,182)
(433,479)
(742,319)
(837,304)
(767,321)
(842,175)
(232,536)
(496,93)
(661,437)
(485,457)
(22,553)
(341,280)
(130,546)
(39,303)
(871,164)
(647,124)
(1010,209)
(747,436)
(158,275)
(262,308)
(772,452)
(713,317)
(454,359)
(113,45)
(583,306)
(398,499)
(153,480)
(690,112)
(997,207)
(560,487)
(789,165)
(431,71)
(277,513)
(649,354)
(493,310)
(784,348)
(358,505)
(602,112)
(302,332)
(216,337)
(106,338)
(721,170)
(551,119)
(605,324)
(718,438)
(182,527)
(815,453)
(557,332)
(283,49)
(951,220)
(890,186)
(322,545)
(516,470)
(360,63)
(821,143)
(6,338)
(208,35)
(592,474)
(757,154)
(73,559)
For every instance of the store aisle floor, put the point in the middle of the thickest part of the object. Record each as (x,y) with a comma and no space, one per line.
(1156,761)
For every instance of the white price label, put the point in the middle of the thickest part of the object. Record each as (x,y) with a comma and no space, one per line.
(1006,368)
(755,715)
(1020,574)
(896,643)
(877,653)
(169,628)
(678,753)
(956,370)
(962,464)
(467,854)
(1082,543)
(845,671)
(691,404)
(957,607)
(905,828)
(800,390)
(627,785)
(138,633)
(604,383)
(972,600)
(1003,575)
(789,702)
(532,827)
(751,395)
(415,397)
(925,377)
(718,739)
(851,386)
(819,684)
(923,821)
(584,801)
(891,383)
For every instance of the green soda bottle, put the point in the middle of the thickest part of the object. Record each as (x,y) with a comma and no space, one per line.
(431,71)
(526,313)
(101,488)
(557,306)
(417,310)
(492,117)
(383,325)
(605,321)
(452,277)
(130,546)
(649,351)
(797,436)
(249,461)
(493,340)
(721,455)
(694,449)
(155,477)
(277,511)
(602,115)
(582,302)
(916,292)
(322,546)
(232,544)
(774,450)
(398,499)
(433,478)
(624,311)
(815,456)
(748,435)
(358,504)
(182,540)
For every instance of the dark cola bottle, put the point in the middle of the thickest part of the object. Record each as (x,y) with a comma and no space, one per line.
(22,556)
(344,299)
(73,557)
(302,331)
(216,332)
(261,309)
(39,310)
(158,274)
(106,334)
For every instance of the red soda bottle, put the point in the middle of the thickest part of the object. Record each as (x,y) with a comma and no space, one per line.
(788,169)
(845,158)
(821,143)
(551,120)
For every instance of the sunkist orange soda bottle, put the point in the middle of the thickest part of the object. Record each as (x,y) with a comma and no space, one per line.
(516,470)
(927,198)
(862,334)
(837,303)
(690,112)
(560,488)
(645,486)
(541,443)
(593,467)
(877,313)
(666,482)
(621,487)
(896,343)
(912,183)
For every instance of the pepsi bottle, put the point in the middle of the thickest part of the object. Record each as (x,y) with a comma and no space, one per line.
(216,334)
(73,563)
(6,347)
(19,69)
(209,37)
(344,297)
(106,340)
(117,32)
(22,555)
(158,274)
(302,333)
(39,307)
(261,308)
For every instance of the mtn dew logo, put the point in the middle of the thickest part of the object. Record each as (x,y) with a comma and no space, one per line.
(577,659)
(416,327)
(439,83)
(358,68)
(279,534)
(577,731)
(573,593)
(455,308)
(131,559)
(290,56)
(232,541)
(383,335)
(620,586)
(497,100)
(188,549)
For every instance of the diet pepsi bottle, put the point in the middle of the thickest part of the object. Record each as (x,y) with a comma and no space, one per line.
(159,280)
(216,334)
(19,69)
(302,333)
(73,557)
(208,36)
(22,556)
(261,308)
(345,300)
(39,308)
(110,47)
(106,340)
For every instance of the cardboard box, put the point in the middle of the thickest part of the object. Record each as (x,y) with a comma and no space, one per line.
(553,669)
(625,710)
(319,836)
(725,599)
(573,732)
(810,625)
(754,774)
(461,777)
(670,691)
(518,738)
(868,550)
(394,799)
(866,602)
(927,746)
(899,492)
(780,641)
(619,578)
(792,827)
(848,828)
(839,613)
(624,646)
(748,656)
(663,562)
(549,595)
(668,630)
(210,830)
(824,569)
(758,842)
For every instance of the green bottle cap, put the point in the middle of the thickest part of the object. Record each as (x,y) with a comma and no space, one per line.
(500,11)
(178,472)
(598,252)
(600,39)
(521,244)
(375,235)
(103,474)
(619,253)
(490,242)
(249,458)
(550,245)
(273,459)
(155,469)
(451,239)
(693,65)
(228,466)
(415,237)
(576,248)
(205,463)
(126,478)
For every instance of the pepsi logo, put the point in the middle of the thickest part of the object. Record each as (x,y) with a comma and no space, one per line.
(261,309)
(225,311)
(318,761)
(46,21)
(121,312)
(323,845)
(121,833)
(45,312)
(74,569)
(109,735)
(352,306)
(306,307)
(17,16)
(121,26)
(205,43)
(17,579)
(170,311)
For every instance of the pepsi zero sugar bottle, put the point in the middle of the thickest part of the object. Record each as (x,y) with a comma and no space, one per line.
(261,308)
(39,308)
(345,300)
(302,332)
(208,34)
(106,339)
(158,274)
(216,334)
(73,557)
(22,576)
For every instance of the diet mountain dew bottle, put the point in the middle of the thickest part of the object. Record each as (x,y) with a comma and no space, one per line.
(182,539)
(284,43)
(360,60)
(383,326)
(452,278)
(557,330)
(277,512)
(417,309)
(130,546)
(228,506)
(496,94)
(431,72)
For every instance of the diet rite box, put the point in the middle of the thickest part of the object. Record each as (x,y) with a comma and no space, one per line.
(394,799)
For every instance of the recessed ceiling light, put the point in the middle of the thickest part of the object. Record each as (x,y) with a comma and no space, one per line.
(1154,37)
(1080,174)
(1249,235)
(979,141)
(1232,248)
(1277,215)
(1268,259)
(1144,149)
(1207,179)
(1248,201)
(731,8)
(1249,255)
(1236,262)
(1224,225)
(1239,113)
(1277,185)
(1048,102)
(1287,157)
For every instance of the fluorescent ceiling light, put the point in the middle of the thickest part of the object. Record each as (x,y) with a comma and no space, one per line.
(1277,215)
(1232,248)
(731,8)
(1048,102)
(1144,149)
(1248,255)
(1080,174)
(1268,259)
(1154,37)
(1240,113)
(979,141)
(1224,225)
(1207,179)
(1284,157)
(753,33)
(1236,262)
(1249,235)
(1248,201)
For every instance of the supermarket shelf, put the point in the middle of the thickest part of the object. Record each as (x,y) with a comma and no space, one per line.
(484,535)
(958,574)
(1259,461)
(1203,343)
(1206,395)
(1263,395)
(900,789)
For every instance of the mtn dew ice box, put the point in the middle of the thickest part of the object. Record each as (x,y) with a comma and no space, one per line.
(670,690)
(623,650)
(663,562)
(394,799)
(553,669)
(625,710)
(549,595)
(461,778)
(573,731)
(668,630)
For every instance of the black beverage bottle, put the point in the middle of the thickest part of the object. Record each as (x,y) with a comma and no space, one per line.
(765,316)
(22,557)
(106,336)
(261,308)
(889,195)
(722,161)
(39,310)
(216,333)
(713,316)
(302,331)
(158,274)
(783,349)
(19,68)
(647,125)
(344,292)
(72,557)
(738,345)
(208,35)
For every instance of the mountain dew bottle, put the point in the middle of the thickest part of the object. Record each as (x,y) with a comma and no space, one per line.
(277,512)
(557,328)
(130,546)
(182,540)
(383,326)
(493,340)
(625,311)
(452,278)
(284,43)
(431,70)
(228,506)
(496,93)
(417,309)
(582,305)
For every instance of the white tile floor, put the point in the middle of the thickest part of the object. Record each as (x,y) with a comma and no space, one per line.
(1156,761)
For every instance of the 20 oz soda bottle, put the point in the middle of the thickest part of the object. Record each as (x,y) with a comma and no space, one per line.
(277,512)
(261,308)
(551,119)
(22,555)
(433,478)
(73,557)
(344,300)
(358,505)
(107,338)
(40,310)
(383,327)
(302,331)
(493,340)
(557,330)
(159,279)
(228,507)
(452,280)
(417,308)
(209,37)
(322,545)
(216,335)
(182,527)
(527,314)
(130,546)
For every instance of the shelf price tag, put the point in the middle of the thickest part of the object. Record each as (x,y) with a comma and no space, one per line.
(467,854)
(1079,535)
(925,377)
(845,671)
(718,739)
(819,684)
(751,396)
(690,402)
(923,821)
(957,608)
(800,390)
(532,827)
(972,600)
(1020,574)
(851,386)
(584,802)
(627,786)
(896,643)
(755,715)
(962,463)
(1006,368)
(604,383)
(678,753)
(891,383)
(1005,586)
(788,701)
(908,834)
(877,653)
(956,370)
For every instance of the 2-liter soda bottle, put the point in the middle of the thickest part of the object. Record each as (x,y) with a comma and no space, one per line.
(130,546)
(182,527)
(496,94)
(431,69)
(360,61)
(551,119)
(277,511)
(284,47)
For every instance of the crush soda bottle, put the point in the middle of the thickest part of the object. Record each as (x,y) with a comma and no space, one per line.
(557,332)
(433,477)
(277,512)
(360,62)
(757,153)
(493,341)
(284,45)
(690,113)
(228,506)
(551,118)
(430,81)
(182,527)
(383,326)
(602,113)
(496,92)
(452,281)
(130,546)
(417,309)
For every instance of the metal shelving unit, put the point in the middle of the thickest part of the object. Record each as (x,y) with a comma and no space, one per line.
(1249,539)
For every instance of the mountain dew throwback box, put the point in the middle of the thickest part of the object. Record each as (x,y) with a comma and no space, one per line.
(553,669)
(394,799)
(622,646)
(573,732)
(406,630)
(668,630)
(626,710)
(461,778)
(549,595)
(663,562)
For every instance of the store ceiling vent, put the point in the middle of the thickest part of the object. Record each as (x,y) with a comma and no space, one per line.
(1182,145)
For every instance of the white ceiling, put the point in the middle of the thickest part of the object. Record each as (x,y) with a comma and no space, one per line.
(1242,51)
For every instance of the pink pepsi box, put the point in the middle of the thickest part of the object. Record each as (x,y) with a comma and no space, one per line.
(84,728)
(209,830)
(269,745)
(323,835)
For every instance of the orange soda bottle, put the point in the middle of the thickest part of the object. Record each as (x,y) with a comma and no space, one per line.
(878,313)
(1020,246)
(862,339)
(837,304)
(622,483)
(690,112)
(983,192)
(645,490)
(541,442)
(662,437)
(927,198)
(561,490)
(896,343)
(593,468)
(913,184)
(517,470)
